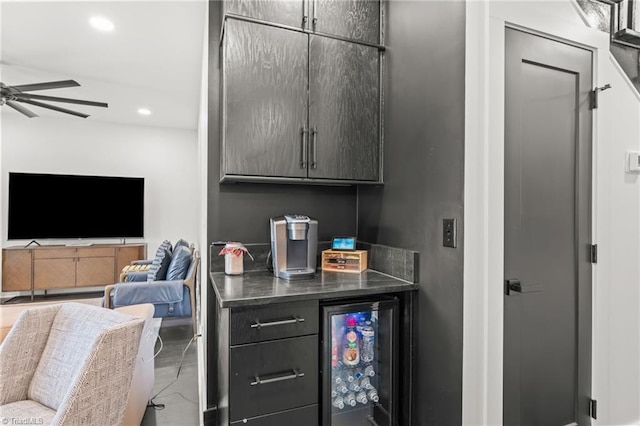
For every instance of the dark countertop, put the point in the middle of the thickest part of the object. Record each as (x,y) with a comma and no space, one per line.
(261,287)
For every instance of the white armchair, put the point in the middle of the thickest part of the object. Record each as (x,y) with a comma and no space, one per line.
(68,364)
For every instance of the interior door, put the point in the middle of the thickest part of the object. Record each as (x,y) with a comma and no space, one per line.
(547,234)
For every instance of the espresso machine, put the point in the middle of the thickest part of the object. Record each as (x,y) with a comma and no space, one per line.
(294,245)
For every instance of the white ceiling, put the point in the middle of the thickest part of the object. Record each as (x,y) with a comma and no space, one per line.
(152,58)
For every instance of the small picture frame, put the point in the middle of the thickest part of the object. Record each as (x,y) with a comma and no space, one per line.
(343,243)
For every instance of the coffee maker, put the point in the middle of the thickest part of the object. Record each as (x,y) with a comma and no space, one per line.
(294,244)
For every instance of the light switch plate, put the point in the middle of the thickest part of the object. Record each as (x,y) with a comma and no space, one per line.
(633,162)
(449,233)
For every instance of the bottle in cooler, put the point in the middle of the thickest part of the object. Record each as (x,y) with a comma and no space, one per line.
(368,342)
(357,373)
(365,383)
(354,386)
(369,371)
(350,399)
(361,397)
(338,402)
(334,351)
(373,395)
(342,388)
(337,378)
(349,376)
(351,348)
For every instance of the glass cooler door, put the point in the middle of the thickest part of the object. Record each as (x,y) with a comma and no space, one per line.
(359,363)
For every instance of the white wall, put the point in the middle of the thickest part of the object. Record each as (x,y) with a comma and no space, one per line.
(616,279)
(166,158)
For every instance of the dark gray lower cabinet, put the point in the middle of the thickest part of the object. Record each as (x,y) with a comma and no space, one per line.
(273,376)
(268,364)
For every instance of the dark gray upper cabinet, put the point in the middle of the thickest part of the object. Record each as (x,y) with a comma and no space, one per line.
(344,105)
(299,107)
(354,20)
(357,20)
(265,101)
(286,12)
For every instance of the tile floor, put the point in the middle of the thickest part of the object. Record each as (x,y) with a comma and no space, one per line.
(180,398)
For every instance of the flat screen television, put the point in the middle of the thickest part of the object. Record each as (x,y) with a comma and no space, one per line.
(74,206)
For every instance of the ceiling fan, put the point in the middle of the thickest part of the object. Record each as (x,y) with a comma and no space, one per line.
(12,95)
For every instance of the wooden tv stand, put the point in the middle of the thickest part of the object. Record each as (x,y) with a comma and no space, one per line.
(55,267)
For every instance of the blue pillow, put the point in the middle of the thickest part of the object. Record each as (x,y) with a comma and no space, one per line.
(181,242)
(180,261)
(159,266)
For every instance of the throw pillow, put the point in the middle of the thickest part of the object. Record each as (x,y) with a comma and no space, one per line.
(181,242)
(180,261)
(159,266)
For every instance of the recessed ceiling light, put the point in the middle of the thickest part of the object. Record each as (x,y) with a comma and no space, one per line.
(101,23)
(144,111)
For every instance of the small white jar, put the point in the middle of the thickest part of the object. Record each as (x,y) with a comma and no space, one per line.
(233,259)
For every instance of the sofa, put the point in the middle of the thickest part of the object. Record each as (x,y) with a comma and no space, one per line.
(169,284)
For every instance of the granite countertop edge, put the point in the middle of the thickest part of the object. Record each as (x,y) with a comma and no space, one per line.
(380,284)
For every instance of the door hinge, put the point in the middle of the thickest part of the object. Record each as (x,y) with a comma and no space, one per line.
(593,409)
(594,253)
(593,95)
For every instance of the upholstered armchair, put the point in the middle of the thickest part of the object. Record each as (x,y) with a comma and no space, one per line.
(169,285)
(68,364)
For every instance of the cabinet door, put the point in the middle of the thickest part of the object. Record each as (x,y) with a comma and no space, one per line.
(16,270)
(92,271)
(289,12)
(356,19)
(265,100)
(344,93)
(126,255)
(54,273)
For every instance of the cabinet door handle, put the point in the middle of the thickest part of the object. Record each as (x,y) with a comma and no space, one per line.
(314,142)
(294,375)
(304,155)
(314,21)
(305,13)
(293,320)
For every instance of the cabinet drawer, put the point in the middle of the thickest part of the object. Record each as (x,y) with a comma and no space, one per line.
(272,376)
(58,253)
(278,321)
(97,252)
(307,416)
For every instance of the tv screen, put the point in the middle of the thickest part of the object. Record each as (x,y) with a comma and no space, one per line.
(73,206)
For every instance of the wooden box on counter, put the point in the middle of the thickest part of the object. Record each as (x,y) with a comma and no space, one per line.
(344,261)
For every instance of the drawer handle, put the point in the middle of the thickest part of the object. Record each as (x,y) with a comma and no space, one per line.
(293,320)
(292,376)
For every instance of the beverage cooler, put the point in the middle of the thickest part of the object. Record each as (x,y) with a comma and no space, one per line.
(359,363)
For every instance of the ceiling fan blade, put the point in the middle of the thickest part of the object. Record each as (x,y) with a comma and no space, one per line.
(56,99)
(21,109)
(55,108)
(48,85)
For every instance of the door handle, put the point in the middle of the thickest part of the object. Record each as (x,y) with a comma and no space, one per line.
(516,286)
(512,285)
(314,21)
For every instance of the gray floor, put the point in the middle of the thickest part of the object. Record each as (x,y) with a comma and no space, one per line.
(180,398)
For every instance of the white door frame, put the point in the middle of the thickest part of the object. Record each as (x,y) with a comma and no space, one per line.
(483,312)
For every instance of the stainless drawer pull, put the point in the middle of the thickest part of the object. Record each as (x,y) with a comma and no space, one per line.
(293,320)
(292,376)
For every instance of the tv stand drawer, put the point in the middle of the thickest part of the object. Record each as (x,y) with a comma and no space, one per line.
(54,253)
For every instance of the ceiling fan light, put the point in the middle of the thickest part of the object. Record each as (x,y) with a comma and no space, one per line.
(101,23)
(144,111)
